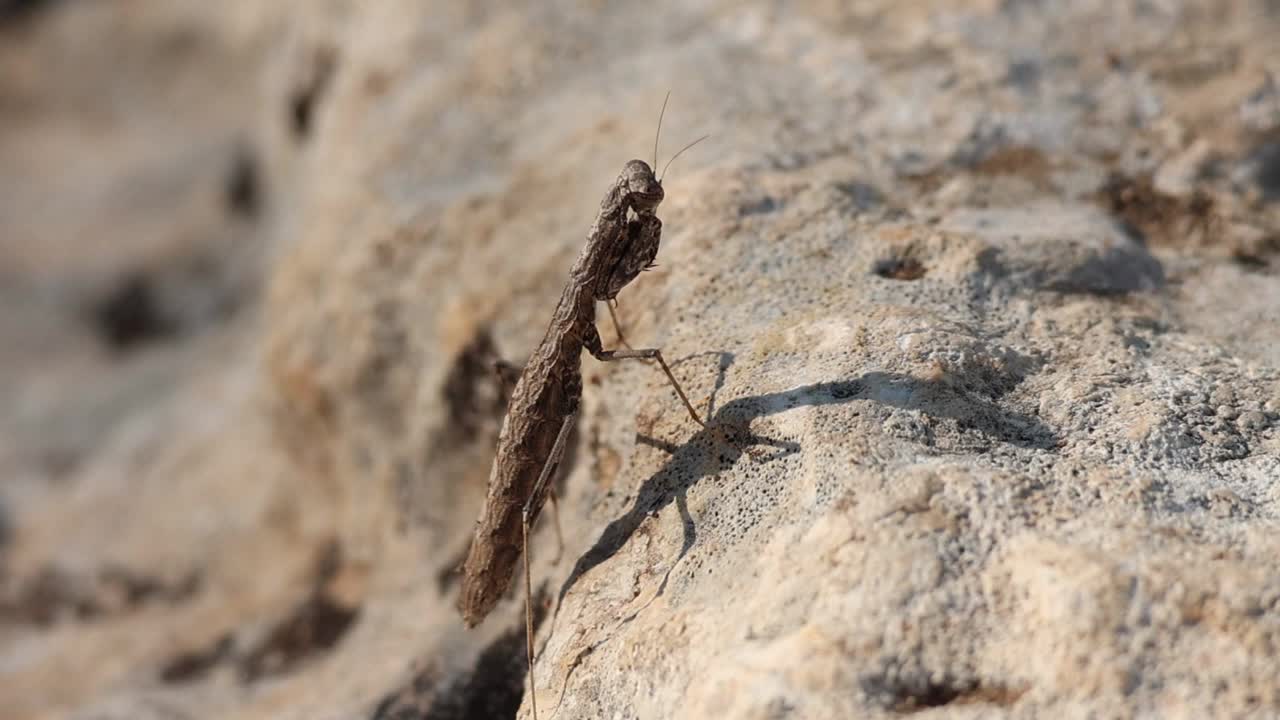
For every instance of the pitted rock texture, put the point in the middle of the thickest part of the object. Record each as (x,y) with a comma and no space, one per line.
(978,298)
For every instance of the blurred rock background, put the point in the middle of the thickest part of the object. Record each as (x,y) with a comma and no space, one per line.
(992,285)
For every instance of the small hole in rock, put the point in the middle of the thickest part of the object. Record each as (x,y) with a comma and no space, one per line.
(300,108)
(307,95)
(131,314)
(900,269)
(243,188)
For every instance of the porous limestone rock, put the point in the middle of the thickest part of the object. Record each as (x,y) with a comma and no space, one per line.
(978,298)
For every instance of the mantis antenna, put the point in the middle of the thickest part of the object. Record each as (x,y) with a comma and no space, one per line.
(673,157)
(658,134)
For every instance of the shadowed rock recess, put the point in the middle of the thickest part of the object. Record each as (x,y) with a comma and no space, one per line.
(979,299)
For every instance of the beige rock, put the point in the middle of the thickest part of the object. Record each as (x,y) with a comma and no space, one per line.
(958,272)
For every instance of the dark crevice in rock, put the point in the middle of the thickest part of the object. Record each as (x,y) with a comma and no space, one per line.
(315,626)
(1156,219)
(1260,255)
(131,314)
(492,689)
(306,96)
(243,190)
(476,389)
(191,666)
(53,595)
(913,694)
(900,268)
(167,303)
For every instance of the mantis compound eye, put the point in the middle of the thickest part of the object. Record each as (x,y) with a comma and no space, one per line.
(643,188)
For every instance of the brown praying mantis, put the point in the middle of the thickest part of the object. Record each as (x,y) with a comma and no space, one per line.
(545,401)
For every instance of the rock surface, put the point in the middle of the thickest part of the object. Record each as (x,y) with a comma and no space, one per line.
(988,287)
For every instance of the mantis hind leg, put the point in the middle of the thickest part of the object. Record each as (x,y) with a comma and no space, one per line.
(530,513)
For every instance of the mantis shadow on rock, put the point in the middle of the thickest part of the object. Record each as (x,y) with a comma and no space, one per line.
(718,446)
